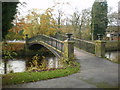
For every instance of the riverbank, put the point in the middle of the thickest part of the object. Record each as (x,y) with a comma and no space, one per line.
(25,77)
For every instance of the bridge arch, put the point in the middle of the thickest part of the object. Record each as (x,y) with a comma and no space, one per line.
(40,45)
(35,46)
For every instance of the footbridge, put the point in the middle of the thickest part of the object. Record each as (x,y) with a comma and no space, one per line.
(58,47)
(64,46)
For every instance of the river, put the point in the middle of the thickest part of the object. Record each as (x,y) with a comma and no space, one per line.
(113,55)
(20,65)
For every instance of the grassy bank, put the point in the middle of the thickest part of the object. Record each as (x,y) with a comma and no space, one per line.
(24,77)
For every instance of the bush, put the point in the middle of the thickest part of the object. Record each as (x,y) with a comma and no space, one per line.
(13,35)
(112,45)
(13,46)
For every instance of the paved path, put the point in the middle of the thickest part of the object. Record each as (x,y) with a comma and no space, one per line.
(94,71)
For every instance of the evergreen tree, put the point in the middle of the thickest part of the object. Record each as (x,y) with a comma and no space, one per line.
(99,18)
(8,12)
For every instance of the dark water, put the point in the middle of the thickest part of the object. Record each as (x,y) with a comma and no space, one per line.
(19,65)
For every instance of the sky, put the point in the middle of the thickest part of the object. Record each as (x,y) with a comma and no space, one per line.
(79,4)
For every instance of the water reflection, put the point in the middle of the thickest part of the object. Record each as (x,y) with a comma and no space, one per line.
(17,41)
(53,62)
(13,66)
(1,67)
(20,65)
(16,66)
(113,55)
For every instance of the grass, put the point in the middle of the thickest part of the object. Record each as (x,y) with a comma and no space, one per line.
(24,77)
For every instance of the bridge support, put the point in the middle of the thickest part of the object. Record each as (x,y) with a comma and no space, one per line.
(68,50)
(100,48)
(68,53)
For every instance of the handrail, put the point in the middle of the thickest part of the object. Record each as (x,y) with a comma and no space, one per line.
(54,39)
(84,41)
(85,45)
(49,40)
(58,44)
(88,46)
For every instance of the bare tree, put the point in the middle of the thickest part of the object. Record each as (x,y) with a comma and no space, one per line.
(80,21)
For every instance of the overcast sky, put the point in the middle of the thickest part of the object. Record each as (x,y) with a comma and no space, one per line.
(80,4)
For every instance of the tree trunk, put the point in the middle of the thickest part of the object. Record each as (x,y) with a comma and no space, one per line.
(5,66)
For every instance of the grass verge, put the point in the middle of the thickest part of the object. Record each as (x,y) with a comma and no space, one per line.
(24,77)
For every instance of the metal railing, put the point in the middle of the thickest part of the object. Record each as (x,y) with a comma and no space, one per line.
(58,44)
(60,37)
(79,43)
(85,45)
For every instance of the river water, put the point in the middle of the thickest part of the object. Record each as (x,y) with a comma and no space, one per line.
(19,65)
(113,55)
